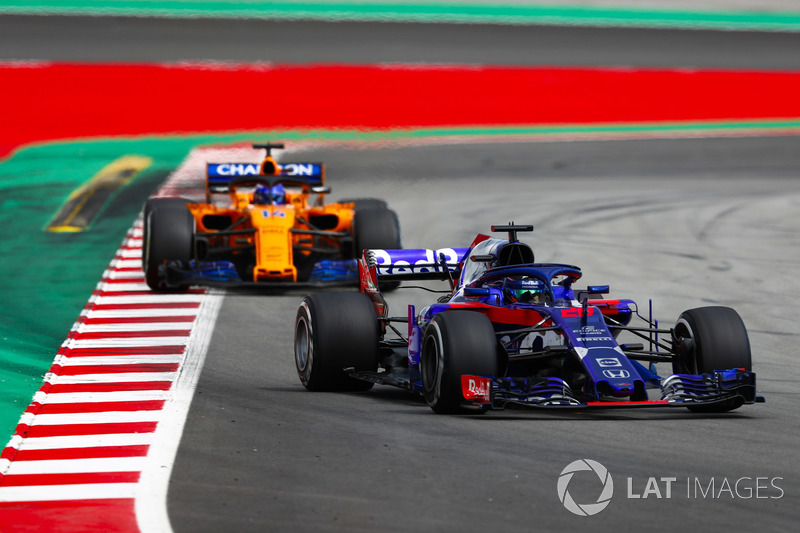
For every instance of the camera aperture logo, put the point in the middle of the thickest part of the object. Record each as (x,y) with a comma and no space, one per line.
(585,509)
(661,487)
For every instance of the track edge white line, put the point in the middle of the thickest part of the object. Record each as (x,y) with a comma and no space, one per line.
(151,492)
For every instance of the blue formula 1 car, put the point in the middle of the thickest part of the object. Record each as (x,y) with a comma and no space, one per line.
(510,332)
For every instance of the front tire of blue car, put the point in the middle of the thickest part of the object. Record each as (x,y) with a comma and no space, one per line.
(334,331)
(455,343)
(709,339)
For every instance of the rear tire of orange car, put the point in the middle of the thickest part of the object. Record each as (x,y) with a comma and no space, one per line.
(717,340)
(161,202)
(334,331)
(455,343)
(377,229)
(168,234)
(366,203)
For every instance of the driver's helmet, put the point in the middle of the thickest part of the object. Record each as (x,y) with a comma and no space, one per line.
(278,195)
(263,195)
(524,290)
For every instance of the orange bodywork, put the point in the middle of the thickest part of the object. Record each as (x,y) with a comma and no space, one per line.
(273,237)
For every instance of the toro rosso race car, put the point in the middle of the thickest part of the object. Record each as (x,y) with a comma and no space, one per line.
(259,226)
(510,332)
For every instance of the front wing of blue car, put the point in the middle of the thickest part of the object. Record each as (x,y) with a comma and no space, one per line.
(720,388)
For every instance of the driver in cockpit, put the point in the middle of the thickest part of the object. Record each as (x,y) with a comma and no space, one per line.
(525,290)
(263,195)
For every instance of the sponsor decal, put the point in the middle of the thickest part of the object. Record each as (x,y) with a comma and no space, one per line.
(576,312)
(594,339)
(233,169)
(301,169)
(616,374)
(415,261)
(608,361)
(476,388)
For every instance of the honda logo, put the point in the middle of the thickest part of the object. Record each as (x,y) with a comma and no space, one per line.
(616,374)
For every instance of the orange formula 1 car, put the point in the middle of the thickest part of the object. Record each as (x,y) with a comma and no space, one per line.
(260,226)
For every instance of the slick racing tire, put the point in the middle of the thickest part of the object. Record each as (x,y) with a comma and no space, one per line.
(161,202)
(377,229)
(168,234)
(709,339)
(366,203)
(334,331)
(455,343)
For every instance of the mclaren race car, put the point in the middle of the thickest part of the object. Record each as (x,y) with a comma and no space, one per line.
(511,332)
(259,226)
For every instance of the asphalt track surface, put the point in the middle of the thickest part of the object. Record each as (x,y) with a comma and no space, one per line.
(688,223)
(685,222)
(136,39)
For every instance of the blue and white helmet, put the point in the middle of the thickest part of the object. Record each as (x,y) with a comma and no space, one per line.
(263,195)
(278,195)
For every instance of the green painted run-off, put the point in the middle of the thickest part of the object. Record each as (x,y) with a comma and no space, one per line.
(47,278)
(423,11)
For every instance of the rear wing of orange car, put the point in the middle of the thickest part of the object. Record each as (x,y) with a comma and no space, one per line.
(220,175)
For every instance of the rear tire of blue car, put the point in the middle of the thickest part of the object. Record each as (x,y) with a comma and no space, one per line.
(168,234)
(335,331)
(714,338)
(455,343)
(377,228)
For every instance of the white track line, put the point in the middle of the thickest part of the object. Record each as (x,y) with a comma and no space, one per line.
(144,299)
(121,360)
(151,500)
(142,313)
(86,441)
(93,397)
(134,326)
(105,417)
(134,342)
(128,263)
(122,377)
(43,493)
(130,254)
(77,466)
